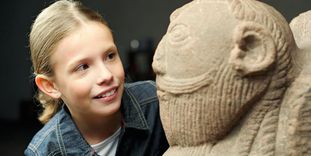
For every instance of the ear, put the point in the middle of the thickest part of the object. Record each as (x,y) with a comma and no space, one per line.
(254,50)
(46,85)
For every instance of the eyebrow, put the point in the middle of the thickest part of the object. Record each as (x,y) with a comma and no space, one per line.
(72,64)
(112,47)
(86,58)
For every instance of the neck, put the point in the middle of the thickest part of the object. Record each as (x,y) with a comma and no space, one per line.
(95,131)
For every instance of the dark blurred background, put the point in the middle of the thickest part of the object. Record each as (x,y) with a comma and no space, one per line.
(138,26)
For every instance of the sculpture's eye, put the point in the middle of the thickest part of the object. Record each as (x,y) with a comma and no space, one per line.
(178,34)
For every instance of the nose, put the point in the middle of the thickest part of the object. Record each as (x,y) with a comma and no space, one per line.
(158,63)
(104,75)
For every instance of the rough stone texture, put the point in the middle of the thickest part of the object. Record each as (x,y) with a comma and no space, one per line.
(301,28)
(232,81)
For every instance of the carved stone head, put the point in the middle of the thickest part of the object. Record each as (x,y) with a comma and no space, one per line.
(301,27)
(216,61)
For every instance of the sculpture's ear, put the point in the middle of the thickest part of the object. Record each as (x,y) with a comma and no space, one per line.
(254,49)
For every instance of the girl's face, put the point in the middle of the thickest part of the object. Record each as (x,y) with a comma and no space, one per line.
(88,72)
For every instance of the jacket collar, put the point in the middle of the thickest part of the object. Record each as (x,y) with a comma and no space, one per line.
(132,113)
(72,138)
(133,118)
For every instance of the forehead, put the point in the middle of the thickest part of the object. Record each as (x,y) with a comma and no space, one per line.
(200,12)
(86,40)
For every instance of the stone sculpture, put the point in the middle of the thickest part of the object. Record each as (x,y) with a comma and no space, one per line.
(230,82)
(301,28)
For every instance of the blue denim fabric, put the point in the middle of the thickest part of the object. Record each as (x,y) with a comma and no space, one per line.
(141,135)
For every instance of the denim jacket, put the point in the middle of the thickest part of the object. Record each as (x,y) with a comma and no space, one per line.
(141,135)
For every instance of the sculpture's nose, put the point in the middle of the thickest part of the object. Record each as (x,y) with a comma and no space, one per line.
(158,63)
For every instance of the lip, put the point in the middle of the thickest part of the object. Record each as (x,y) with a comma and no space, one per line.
(109,98)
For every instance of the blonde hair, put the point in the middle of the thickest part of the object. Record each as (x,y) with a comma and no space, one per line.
(52,25)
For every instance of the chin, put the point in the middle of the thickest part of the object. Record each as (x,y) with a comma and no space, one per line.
(108,110)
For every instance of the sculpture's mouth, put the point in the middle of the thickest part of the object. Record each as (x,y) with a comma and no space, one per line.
(177,86)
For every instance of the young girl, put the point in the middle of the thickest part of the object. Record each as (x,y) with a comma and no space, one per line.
(88,109)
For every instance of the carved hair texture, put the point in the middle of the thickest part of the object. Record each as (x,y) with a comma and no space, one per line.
(52,25)
(268,17)
(250,10)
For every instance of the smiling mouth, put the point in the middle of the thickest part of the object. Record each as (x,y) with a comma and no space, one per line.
(110,93)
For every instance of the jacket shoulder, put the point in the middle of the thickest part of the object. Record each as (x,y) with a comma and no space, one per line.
(45,141)
(142,92)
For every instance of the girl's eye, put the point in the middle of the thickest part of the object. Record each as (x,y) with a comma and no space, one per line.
(82,67)
(111,56)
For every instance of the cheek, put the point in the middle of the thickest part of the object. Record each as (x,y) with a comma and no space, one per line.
(118,71)
(121,76)
(81,90)
(77,90)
